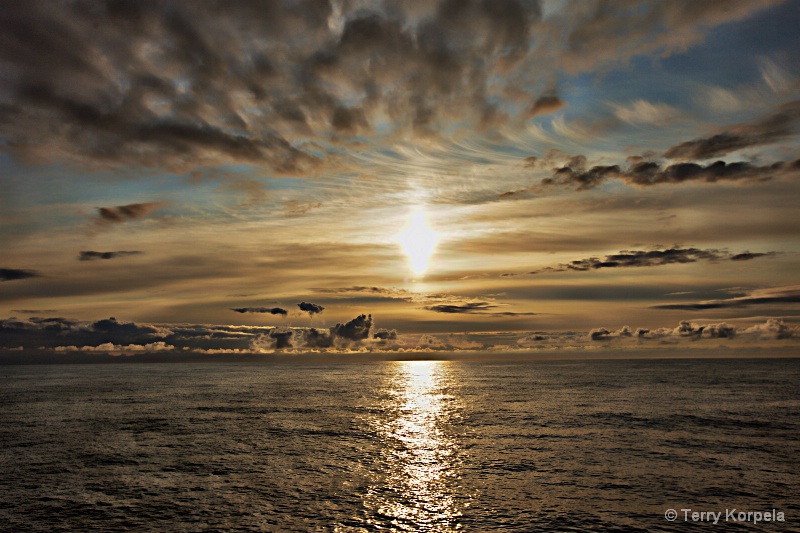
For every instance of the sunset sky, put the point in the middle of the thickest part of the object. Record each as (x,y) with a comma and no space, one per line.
(465,174)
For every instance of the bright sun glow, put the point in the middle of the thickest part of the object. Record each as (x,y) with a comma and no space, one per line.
(418,240)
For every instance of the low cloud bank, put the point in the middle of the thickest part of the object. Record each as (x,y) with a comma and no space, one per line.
(772,329)
(114,337)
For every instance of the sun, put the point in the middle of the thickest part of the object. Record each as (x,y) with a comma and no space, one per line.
(418,240)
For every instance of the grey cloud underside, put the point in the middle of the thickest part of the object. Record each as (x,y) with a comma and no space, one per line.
(471,307)
(270,310)
(276,83)
(11,274)
(651,258)
(90,255)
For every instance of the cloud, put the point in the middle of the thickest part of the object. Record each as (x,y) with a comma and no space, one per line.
(176,84)
(546,104)
(293,208)
(646,173)
(12,274)
(385,334)
(118,349)
(770,296)
(471,307)
(601,334)
(687,330)
(282,337)
(51,332)
(311,309)
(125,213)
(780,125)
(644,112)
(381,292)
(340,336)
(318,338)
(92,256)
(773,328)
(271,310)
(354,330)
(651,258)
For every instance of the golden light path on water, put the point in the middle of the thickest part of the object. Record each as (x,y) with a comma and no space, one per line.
(421,454)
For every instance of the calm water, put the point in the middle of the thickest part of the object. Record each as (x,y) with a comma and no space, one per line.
(398,446)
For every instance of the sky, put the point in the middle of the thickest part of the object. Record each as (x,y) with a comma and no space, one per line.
(252,177)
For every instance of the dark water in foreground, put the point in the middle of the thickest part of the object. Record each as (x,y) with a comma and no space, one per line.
(399,446)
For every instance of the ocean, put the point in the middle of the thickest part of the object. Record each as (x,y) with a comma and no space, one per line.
(438,446)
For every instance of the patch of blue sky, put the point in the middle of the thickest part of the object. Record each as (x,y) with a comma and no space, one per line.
(733,54)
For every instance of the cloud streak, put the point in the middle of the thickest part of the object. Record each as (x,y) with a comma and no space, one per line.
(90,255)
(125,213)
(771,296)
(13,274)
(270,310)
(777,126)
(650,258)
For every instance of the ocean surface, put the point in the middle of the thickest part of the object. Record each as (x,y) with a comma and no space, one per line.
(401,446)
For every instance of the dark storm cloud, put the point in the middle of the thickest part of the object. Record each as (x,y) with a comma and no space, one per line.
(645,173)
(385,334)
(778,126)
(11,274)
(124,213)
(471,307)
(354,330)
(771,296)
(311,309)
(270,310)
(651,258)
(89,255)
(318,338)
(282,337)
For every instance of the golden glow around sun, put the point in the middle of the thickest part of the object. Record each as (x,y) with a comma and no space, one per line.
(418,240)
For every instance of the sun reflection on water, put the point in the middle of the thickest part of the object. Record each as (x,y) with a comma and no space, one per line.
(420,451)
